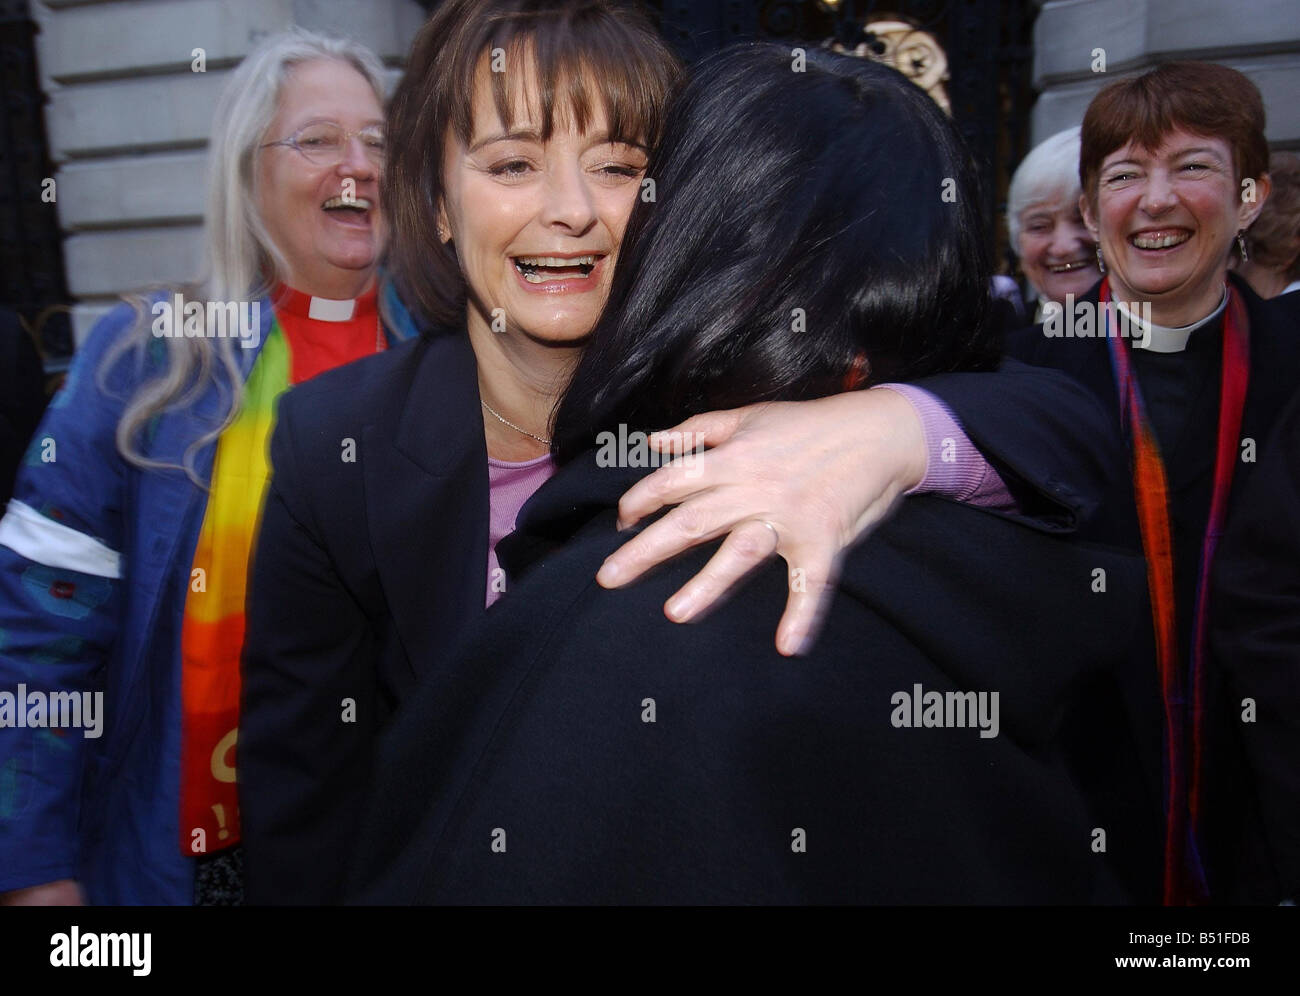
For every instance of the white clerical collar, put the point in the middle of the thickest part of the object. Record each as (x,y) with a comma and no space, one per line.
(1162,339)
(324,309)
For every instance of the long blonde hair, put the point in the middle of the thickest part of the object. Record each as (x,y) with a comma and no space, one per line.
(241,261)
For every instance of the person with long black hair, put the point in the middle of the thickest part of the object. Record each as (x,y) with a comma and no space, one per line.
(581,748)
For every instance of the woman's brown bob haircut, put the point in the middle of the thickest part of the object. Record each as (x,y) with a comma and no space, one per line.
(1199,97)
(582,50)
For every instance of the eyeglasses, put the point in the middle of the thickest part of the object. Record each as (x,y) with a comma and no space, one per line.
(325,144)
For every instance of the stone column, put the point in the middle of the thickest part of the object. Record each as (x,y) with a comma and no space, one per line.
(1261,38)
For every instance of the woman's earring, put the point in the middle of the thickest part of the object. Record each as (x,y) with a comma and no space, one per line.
(1101,263)
(1241,244)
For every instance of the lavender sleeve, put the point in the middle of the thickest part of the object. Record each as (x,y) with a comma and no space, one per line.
(955,468)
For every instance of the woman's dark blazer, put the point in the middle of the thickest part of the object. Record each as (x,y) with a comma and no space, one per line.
(371,555)
(583,749)
(372,560)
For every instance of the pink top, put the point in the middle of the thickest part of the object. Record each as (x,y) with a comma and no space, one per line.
(510,485)
(954,467)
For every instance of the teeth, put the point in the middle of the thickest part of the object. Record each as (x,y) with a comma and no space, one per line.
(1159,241)
(529,265)
(1068,267)
(359,203)
(537,278)
(556,261)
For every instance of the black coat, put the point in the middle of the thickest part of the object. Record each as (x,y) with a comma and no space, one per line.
(1256,637)
(621,758)
(1235,851)
(366,572)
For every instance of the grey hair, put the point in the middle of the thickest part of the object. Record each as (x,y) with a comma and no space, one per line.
(241,261)
(1049,173)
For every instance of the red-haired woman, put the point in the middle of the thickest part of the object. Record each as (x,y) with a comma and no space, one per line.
(1174,170)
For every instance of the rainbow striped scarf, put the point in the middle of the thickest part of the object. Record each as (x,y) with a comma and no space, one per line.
(212,632)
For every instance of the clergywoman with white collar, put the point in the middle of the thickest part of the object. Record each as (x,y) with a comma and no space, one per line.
(1174,169)
(124,554)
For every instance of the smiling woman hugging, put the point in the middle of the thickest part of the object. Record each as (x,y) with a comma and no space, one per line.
(520,136)
(585,750)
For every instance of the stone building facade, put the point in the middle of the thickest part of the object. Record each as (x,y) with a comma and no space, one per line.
(1260,38)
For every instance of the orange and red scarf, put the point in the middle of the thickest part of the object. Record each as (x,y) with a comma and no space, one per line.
(1182,688)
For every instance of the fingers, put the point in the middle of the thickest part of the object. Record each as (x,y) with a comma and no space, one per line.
(682,528)
(745,547)
(711,428)
(811,592)
(671,484)
(693,470)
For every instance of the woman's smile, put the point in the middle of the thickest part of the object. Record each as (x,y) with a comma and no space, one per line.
(1056,251)
(330,250)
(560,273)
(1159,240)
(350,211)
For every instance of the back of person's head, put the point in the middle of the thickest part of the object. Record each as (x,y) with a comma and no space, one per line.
(811,230)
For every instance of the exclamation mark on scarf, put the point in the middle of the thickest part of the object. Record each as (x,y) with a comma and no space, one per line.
(220,810)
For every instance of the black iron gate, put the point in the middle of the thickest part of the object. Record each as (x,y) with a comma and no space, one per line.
(988,45)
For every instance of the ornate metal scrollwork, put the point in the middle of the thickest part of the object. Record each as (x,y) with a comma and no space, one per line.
(914,52)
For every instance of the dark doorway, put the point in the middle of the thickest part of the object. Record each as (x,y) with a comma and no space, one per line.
(31,245)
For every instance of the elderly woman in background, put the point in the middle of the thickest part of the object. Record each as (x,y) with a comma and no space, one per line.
(1271,262)
(1165,160)
(124,554)
(1056,251)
